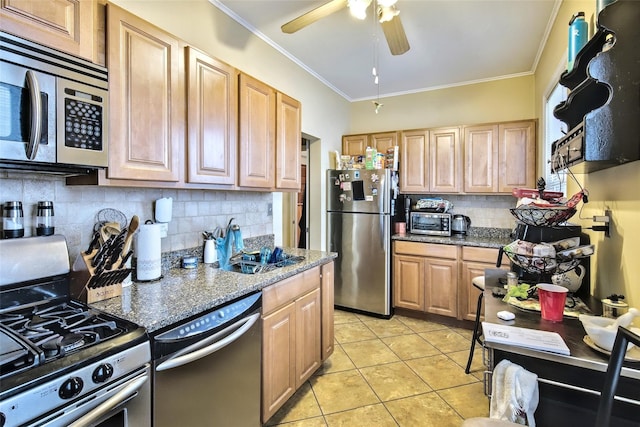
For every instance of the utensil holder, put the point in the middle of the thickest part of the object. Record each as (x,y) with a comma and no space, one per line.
(88,287)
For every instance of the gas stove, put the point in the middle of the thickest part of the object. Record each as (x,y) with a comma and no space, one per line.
(59,358)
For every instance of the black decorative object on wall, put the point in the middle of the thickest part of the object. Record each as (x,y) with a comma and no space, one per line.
(603,109)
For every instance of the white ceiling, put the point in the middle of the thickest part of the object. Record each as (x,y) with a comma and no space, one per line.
(453,42)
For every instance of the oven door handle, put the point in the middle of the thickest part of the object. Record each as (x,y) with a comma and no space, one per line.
(115,400)
(36,115)
(182,359)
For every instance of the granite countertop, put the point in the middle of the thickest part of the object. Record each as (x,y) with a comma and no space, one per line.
(479,237)
(183,293)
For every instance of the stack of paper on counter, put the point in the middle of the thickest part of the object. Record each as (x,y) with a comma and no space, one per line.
(522,337)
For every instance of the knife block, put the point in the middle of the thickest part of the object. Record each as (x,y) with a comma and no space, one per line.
(88,287)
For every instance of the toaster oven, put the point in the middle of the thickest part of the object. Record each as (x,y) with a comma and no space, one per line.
(430,223)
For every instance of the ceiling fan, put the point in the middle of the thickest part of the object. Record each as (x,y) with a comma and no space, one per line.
(387,14)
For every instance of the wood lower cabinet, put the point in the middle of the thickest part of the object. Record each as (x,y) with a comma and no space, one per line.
(294,326)
(473,263)
(328,331)
(146,100)
(425,277)
(212,119)
(67,25)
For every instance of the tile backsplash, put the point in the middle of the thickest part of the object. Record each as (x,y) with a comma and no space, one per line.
(194,211)
(491,211)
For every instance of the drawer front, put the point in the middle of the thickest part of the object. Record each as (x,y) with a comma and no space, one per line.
(487,255)
(289,289)
(426,249)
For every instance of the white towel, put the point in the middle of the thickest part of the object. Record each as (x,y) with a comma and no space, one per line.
(514,395)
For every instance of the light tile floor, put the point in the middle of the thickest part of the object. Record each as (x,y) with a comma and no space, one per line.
(400,372)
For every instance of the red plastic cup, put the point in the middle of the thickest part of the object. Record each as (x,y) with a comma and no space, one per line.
(552,299)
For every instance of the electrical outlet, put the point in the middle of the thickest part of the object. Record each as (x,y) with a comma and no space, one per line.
(270,209)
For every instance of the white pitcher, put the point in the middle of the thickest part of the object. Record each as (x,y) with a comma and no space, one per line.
(571,279)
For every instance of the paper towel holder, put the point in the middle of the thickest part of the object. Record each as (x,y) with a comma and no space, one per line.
(163,214)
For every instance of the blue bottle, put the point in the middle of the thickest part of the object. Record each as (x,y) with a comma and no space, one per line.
(578,37)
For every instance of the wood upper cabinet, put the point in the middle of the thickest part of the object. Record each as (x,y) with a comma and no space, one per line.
(288,141)
(212,117)
(430,161)
(146,100)
(355,145)
(414,163)
(445,160)
(481,159)
(499,157)
(516,155)
(383,141)
(67,25)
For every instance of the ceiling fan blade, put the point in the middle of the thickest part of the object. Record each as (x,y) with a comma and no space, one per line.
(310,17)
(395,35)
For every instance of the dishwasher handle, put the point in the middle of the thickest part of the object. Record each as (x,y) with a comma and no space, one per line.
(182,359)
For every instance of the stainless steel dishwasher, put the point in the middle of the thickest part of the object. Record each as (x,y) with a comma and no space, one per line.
(206,371)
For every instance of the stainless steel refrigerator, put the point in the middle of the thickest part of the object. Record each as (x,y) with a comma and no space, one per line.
(360,207)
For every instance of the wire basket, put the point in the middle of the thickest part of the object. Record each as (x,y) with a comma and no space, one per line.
(543,217)
(542,265)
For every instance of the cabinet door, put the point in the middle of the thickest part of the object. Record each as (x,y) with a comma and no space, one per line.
(354,145)
(212,114)
(441,282)
(257,133)
(516,155)
(327,310)
(308,339)
(288,141)
(66,25)
(445,160)
(382,141)
(481,159)
(408,282)
(278,359)
(414,164)
(146,100)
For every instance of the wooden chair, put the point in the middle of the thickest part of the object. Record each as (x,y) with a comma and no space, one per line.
(623,337)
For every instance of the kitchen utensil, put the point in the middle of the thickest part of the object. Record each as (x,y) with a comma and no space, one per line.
(571,279)
(133,227)
(460,224)
(111,215)
(94,242)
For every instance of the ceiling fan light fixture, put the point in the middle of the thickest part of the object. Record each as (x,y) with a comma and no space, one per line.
(387,13)
(358,8)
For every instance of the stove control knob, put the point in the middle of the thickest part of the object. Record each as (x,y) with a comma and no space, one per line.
(102,373)
(70,388)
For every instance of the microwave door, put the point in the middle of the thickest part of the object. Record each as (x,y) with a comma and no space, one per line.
(27,114)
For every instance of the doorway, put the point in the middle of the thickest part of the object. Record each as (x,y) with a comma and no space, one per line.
(296,224)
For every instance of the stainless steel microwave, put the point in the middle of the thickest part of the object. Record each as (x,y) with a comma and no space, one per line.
(430,223)
(53,109)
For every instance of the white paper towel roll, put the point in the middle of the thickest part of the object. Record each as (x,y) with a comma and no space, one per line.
(148,252)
